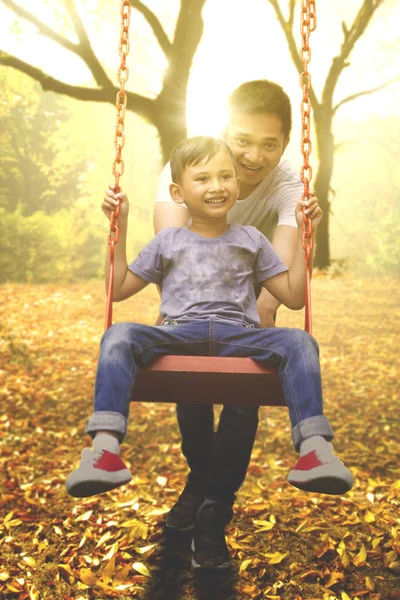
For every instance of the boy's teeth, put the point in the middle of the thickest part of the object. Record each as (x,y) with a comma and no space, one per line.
(216,201)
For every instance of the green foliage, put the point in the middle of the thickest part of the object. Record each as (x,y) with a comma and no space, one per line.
(42,248)
(46,211)
(383,255)
(38,170)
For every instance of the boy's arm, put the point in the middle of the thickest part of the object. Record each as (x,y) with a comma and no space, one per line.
(289,287)
(126,283)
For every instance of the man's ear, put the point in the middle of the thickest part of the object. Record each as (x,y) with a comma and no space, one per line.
(176,193)
(285,143)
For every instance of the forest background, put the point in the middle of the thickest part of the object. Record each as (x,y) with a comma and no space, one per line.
(56,155)
(57,152)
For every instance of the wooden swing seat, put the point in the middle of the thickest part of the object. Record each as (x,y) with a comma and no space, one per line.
(208,380)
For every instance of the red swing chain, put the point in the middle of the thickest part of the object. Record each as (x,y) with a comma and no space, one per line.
(119,143)
(308,23)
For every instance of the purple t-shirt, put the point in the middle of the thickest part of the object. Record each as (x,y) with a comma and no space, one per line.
(208,278)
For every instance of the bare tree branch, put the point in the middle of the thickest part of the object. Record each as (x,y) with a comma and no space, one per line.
(43,29)
(155,25)
(351,36)
(86,50)
(83,49)
(292,4)
(364,93)
(287,27)
(136,103)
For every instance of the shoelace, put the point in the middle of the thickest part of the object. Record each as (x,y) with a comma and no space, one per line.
(210,526)
(325,454)
(91,456)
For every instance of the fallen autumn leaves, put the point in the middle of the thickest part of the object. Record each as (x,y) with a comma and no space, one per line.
(285,544)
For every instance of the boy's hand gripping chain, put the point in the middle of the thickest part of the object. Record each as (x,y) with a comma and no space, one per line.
(308,23)
(119,143)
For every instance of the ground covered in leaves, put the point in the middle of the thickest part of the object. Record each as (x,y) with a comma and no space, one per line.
(285,544)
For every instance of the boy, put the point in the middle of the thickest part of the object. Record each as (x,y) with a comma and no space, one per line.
(207,273)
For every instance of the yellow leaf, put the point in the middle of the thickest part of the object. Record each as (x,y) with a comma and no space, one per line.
(104,538)
(334,577)
(30,561)
(4,576)
(107,572)
(85,517)
(369,517)
(122,574)
(33,593)
(345,559)
(87,576)
(244,565)
(360,557)
(145,549)
(111,552)
(66,568)
(345,596)
(369,583)
(301,525)
(141,568)
(277,558)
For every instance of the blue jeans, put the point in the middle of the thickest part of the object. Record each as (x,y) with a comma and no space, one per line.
(219,460)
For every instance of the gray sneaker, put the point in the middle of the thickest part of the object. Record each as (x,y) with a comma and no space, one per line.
(321,471)
(98,472)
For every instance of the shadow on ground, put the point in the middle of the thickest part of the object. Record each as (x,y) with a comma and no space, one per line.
(175,579)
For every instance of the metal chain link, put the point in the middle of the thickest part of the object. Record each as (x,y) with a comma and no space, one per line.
(308,23)
(119,143)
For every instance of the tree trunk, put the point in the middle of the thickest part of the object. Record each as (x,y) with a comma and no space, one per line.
(325,149)
(170,119)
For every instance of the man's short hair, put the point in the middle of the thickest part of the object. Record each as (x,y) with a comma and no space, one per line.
(192,151)
(262,96)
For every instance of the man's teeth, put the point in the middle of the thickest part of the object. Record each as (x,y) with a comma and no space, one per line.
(252,168)
(215,201)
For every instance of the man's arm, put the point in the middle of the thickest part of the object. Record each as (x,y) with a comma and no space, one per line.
(284,242)
(169,215)
(289,287)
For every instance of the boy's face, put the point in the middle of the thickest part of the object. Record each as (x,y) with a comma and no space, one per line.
(209,189)
(257,142)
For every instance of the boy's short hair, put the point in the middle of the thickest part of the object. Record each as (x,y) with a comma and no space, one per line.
(191,151)
(262,96)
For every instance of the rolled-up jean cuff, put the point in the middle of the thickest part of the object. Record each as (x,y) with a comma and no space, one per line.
(312,426)
(106,420)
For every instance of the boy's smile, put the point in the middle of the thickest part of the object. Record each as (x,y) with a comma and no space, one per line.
(257,142)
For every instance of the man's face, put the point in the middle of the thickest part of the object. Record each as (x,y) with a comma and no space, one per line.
(210,188)
(257,142)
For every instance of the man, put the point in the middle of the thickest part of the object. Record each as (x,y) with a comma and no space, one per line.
(257,133)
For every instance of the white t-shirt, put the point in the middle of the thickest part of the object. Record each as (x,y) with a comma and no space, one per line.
(272,203)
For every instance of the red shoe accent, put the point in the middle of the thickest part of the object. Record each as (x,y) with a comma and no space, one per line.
(308,462)
(110,462)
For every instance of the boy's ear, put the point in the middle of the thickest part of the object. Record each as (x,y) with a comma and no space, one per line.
(176,193)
